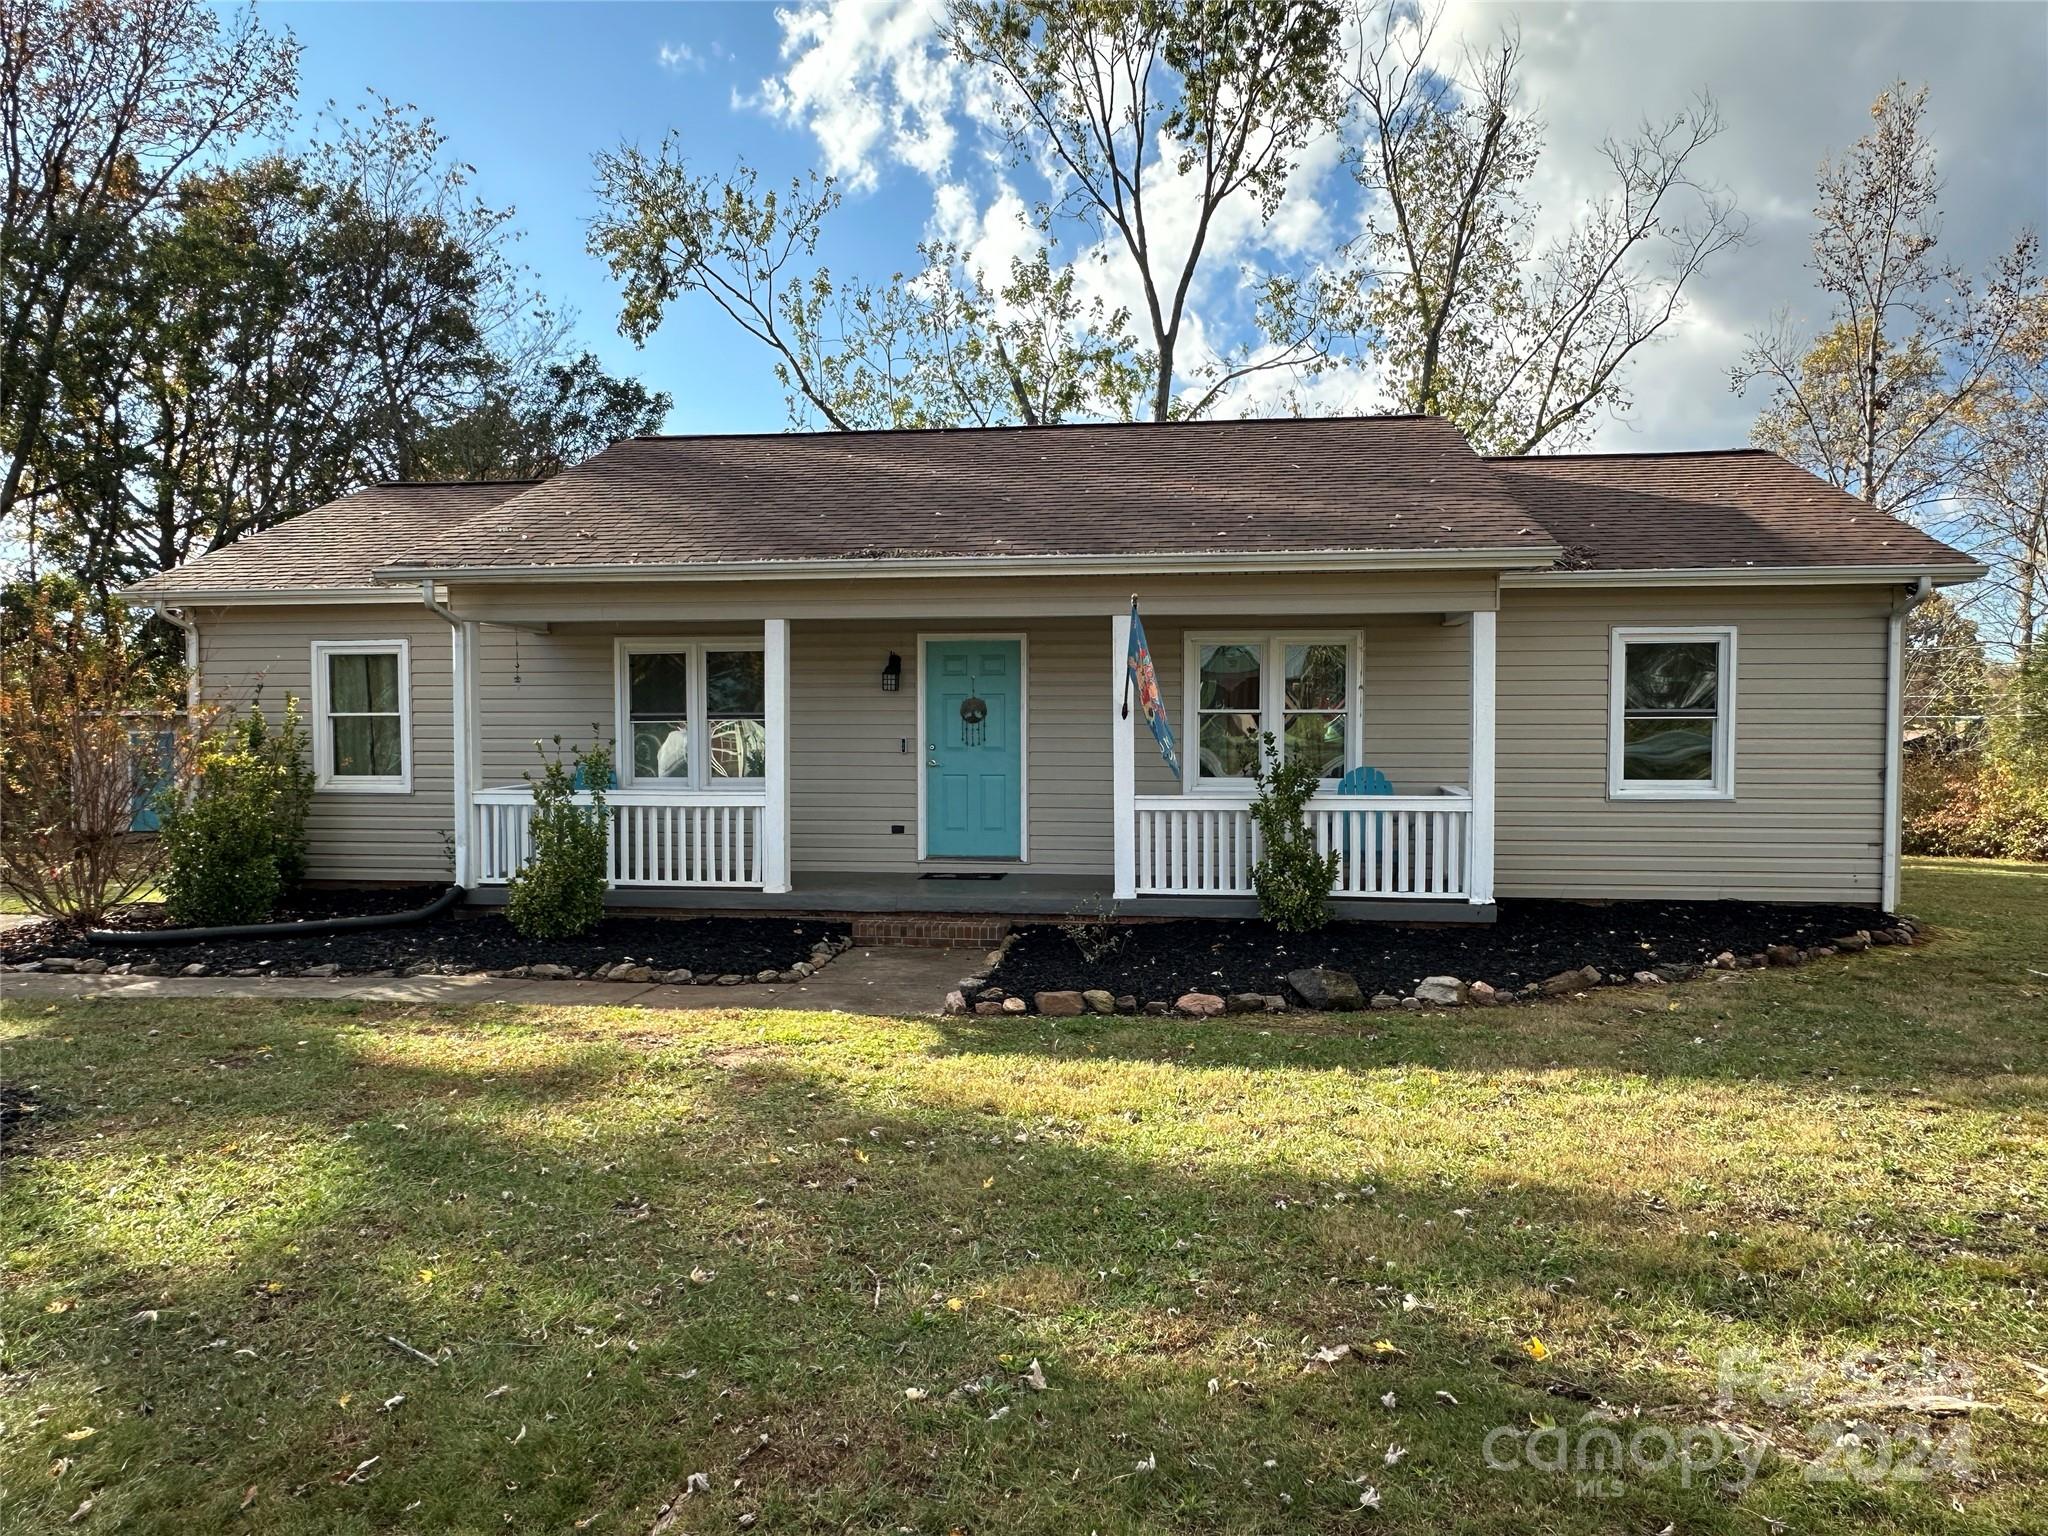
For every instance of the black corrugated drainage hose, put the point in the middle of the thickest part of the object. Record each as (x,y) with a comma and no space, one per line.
(305,930)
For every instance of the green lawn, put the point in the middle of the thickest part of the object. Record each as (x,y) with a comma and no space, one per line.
(813,1258)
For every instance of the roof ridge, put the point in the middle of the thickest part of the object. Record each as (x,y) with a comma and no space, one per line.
(422,485)
(1634,453)
(1024,427)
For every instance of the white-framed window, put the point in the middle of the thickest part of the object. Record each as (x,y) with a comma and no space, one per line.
(1301,687)
(1671,713)
(691,713)
(362,717)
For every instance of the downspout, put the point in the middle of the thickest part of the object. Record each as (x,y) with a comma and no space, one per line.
(190,626)
(1904,602)
(461,645)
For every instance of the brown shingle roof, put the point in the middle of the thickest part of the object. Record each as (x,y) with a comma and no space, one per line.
(1713,510)
(336,546)
(1395,484)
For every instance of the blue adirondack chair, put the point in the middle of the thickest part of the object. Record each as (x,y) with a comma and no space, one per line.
(1365,781)
(579,782)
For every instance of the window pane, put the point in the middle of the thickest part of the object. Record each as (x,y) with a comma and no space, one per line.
(1230,677)
(367,746)
(1230,746)
(359,683)
(1671,675)
(733,682)
(739,749)
(348,684)
(1665,750)
(1320,738)
(1315,677)
(661,749)
(658,685)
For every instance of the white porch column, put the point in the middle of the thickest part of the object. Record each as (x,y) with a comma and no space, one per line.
(462,640)
(1123,768)
(1479,848)
(775,815)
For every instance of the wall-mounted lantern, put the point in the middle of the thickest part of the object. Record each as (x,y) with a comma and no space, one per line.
(892,673)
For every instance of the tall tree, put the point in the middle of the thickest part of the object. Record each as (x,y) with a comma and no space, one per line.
(2002,479)
(540,416)
(1150,116)
(1911,341)
(946,346)
(1520,341)
(1139,105)
(104,104)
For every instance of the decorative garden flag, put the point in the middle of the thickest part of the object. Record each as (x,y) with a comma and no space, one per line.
(1141,674)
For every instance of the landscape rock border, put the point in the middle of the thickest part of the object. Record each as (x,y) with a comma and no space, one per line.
(1323,989)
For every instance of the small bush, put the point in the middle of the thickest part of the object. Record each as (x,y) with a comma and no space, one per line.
(1989,806)
(87,722)
(1292,880)
(559,893)
(234,839)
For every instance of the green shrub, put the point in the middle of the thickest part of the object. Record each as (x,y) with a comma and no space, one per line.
(1292,880)
(559,892)
(234,839)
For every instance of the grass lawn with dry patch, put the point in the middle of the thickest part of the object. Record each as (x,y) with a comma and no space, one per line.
(814,1258)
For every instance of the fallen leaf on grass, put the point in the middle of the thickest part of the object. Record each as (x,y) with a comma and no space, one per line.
(80,1513)
(1035,1377)
(248,1498)
(82,1434)
(1535,1348)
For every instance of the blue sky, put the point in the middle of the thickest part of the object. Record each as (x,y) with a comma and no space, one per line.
(529,92)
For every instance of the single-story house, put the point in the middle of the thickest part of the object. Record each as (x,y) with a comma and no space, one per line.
(886,671)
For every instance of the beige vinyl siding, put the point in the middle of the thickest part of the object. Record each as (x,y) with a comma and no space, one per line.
(1806,822)
(262,654)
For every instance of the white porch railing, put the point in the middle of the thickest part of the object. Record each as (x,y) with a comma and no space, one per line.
(1413,846)
(658,837)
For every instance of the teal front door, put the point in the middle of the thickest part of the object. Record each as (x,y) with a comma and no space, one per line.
(974,749)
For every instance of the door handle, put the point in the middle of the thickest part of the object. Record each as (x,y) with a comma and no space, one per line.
(931,762)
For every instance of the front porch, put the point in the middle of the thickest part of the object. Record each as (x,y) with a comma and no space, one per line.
(837,810)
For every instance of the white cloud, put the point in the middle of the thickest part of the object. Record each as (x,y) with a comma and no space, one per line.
(677,57)
(872,82)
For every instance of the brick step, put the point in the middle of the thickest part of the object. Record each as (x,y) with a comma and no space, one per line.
(914,931)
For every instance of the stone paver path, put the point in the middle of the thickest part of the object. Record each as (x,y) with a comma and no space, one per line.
(881,982)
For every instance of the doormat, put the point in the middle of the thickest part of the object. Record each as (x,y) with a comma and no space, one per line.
(961,875)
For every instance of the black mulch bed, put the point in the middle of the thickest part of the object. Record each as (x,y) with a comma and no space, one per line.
(478,939)
(1531,941)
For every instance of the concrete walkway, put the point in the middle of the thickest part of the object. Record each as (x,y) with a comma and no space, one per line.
(880,982)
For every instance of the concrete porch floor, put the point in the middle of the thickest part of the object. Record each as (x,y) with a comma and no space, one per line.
(1018,893)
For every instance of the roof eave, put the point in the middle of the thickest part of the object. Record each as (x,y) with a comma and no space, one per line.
(912,567)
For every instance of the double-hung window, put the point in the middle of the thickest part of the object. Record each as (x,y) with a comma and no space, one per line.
(691,713)
(362,725)
(1671,714)
(1297,687)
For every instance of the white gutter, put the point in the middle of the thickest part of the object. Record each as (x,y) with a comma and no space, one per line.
(1212,563)
(266,597)
(1749,575)
(461,654)
(1895,730)
(185,622)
